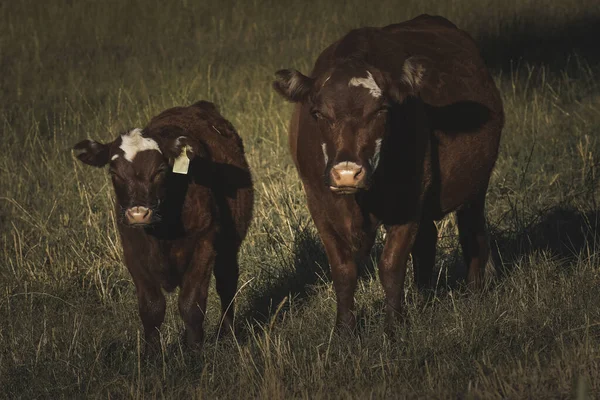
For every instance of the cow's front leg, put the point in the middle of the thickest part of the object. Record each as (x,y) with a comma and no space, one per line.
(344,274)
(392,269)
(194,290)
(347,238)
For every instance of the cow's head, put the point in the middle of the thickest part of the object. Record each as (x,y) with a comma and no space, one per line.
(350,105)
(139,163)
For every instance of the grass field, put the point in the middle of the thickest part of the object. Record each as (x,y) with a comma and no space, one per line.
(68,313)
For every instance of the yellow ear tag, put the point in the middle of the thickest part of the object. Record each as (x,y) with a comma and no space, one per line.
(182,163)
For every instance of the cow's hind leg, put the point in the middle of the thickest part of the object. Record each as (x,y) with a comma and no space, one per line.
(423,254)
(226,276)
(474,240)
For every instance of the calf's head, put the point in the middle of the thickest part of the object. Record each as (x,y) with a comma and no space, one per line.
(350,105)
(139,164)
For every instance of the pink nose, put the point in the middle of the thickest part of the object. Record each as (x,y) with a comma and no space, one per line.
(347,174)
(138,215)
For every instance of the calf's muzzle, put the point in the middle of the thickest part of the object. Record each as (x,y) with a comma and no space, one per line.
(138,215)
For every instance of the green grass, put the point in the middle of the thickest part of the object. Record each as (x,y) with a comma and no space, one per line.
(68,313)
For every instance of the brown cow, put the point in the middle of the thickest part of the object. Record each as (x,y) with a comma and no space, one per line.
(177,228)
(396,126)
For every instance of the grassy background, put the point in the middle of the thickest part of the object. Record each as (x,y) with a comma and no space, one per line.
(68,313)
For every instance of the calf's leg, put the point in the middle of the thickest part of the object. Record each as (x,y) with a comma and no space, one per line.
(194,291)
(226,276)
(152,306)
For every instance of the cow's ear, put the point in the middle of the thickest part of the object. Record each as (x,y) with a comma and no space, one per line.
(292,85)
(93,153)
(411,78)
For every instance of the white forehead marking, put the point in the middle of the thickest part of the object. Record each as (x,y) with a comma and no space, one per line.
(368,83)
(324,148)
(114,157)
(375,159)
(134,142)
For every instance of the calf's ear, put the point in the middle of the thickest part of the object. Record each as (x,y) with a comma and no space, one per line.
(191,146)
(292,85)
(173,141)
(92,153)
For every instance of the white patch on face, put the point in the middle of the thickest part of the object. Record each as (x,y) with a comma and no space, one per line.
(324,148)
(114,157)
(374,161)
(325,81)
(368,83)
(134,142)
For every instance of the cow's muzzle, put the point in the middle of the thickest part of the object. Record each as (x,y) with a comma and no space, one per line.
(347,177)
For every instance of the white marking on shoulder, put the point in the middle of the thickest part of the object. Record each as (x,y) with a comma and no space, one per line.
(368,83)
(134,142)
(114,157)
(324,148)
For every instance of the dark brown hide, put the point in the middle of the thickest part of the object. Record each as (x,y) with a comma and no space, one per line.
(440,132)
(199,219)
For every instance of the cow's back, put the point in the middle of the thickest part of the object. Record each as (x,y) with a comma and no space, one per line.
(465,108)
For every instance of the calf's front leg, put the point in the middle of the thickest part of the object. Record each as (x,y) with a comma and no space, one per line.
(194,290)
(152,306)
(151,300)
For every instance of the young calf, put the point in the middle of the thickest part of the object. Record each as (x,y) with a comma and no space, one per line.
(184,200)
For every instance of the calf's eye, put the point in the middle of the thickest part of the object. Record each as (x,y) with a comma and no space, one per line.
(158,175)
(116,176)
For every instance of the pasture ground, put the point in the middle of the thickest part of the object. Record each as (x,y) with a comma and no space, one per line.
(68,313)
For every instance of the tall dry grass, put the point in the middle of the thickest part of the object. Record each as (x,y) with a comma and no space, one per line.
(68,319)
